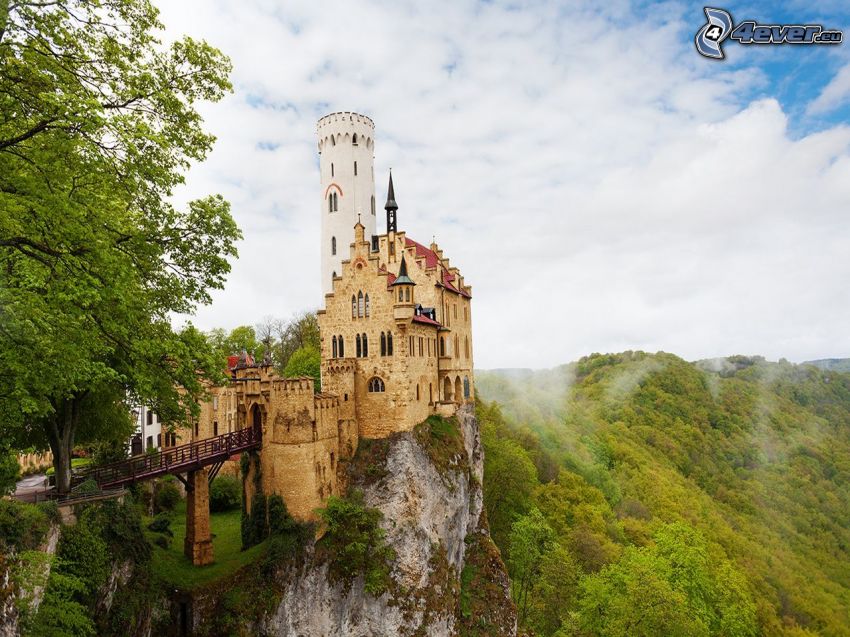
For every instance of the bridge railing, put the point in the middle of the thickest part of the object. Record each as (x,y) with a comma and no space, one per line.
(175,459)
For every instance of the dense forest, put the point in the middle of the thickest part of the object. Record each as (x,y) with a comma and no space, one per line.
(640,494)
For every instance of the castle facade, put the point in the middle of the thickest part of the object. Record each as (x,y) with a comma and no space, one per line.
(396,340)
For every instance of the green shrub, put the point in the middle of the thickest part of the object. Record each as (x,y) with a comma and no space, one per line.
(87,487)
(22,526)
(167,496)
(163,541)
(161,524)
(225,494)
(9,470)
(83,554)
(254,527)
(60,613)
(355,543)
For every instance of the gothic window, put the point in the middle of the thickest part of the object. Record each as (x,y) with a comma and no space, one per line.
(353,306)
(333,245)
(400,295)
(355,169)
(336,201)
(331,202)
(376,385)
(367,305)
(333,340)
(373,204)
(389,343)
(466,346)
(407,294)
(359,348)
(341,345)
(354,141)
(333,141)
(365,346)
(466,387)
(360,304)
(383,344)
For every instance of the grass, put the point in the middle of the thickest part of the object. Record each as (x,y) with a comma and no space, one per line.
(76,463)
(176,570)
(442,440)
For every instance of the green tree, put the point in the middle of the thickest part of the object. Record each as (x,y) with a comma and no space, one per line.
(306,361)
(99,125)
(9,470)
(531,539)
(556,591)
(299,333)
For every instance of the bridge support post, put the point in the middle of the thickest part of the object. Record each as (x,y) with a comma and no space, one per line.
(198,543)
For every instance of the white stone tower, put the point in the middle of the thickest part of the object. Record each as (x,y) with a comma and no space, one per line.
(346,166)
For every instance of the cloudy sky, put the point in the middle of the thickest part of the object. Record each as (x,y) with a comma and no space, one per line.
(601,185)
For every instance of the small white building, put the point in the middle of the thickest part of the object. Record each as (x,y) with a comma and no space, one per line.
(148,434)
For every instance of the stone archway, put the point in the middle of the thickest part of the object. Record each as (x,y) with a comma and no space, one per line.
(447,390)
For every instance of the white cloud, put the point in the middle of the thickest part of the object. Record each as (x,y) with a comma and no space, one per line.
(833,94)
(601,186)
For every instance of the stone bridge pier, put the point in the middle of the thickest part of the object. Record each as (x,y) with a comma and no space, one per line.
(198,543)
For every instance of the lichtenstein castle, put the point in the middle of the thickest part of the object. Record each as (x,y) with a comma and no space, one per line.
(396,340)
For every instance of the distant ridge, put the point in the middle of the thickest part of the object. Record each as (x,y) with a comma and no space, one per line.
(831,364)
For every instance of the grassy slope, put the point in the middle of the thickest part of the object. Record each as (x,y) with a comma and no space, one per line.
(176,570)
(755,455)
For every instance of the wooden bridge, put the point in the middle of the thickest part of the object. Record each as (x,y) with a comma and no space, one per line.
(175,460)
(200,461)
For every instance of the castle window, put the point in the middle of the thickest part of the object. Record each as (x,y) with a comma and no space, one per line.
(353,306)
(215,428)
(376,385)
(333,141)
(417,391)
(341,346)
(359,347)
(360,305)
(332,169)
(430,394)
(196,430)
(406,293)
(331,202)
(355,169)
(457,347)
(455,309)
(383,344)
(410,346)
(333,340)
(429,348)
(466,387)
(389,343)
(421,348)
(354,141)
(336,202)
(333,245)
(365,346)
(400,295)
(367,305)
(466,346)
(442,346)
(373,204)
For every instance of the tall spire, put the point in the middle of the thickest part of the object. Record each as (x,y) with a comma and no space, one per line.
(391,206)
(402,278)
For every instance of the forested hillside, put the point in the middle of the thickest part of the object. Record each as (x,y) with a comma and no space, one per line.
(639,494)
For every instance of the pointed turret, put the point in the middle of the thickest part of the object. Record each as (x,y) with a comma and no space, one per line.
(402,278)
(391,206)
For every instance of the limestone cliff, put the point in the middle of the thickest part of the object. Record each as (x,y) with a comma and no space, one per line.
(448,578)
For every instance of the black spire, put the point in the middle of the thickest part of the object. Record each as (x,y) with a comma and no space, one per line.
(402,278)
(391,206)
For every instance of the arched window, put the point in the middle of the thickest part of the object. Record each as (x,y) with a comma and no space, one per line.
(400,295)
(354,140)
(353,306)
(341,345)
(383,344)
(365,346)
(367,304)
(373,204)
(336,201)
(407,294)
(389,343)
(360,305)
(333,245)
(466,387)
(333,340)
(333,141)
(359,347)
(376,385)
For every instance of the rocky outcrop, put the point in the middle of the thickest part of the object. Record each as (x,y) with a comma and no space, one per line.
(427,484)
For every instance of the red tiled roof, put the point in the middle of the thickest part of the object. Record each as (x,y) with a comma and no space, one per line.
(424,319)
(429,255)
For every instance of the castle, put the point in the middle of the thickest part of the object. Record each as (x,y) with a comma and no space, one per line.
(396,339)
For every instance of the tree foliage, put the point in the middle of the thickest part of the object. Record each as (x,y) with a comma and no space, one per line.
(99,125)
(692,498)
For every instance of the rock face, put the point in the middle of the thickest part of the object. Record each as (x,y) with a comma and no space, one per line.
(432,503)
